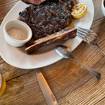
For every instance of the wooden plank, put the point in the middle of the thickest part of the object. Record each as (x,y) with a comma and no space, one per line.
(10,72)
(62,80)
(63,77)
(90,93)
(70,84)
(101,102)
(5,6)
(23,91)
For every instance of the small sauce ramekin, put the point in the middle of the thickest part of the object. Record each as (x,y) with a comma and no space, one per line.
(17,24)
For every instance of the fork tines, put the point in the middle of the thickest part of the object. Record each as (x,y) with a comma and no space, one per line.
(86,34)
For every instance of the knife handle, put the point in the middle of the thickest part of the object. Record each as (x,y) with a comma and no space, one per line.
(48,94)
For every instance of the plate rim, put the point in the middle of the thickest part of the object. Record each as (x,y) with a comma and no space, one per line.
(55,50)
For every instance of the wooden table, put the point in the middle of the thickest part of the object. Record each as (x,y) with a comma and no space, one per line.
(70,84)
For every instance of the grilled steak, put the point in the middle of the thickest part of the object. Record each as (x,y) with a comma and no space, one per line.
(47,18)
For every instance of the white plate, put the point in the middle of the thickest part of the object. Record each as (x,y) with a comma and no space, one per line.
(16,58)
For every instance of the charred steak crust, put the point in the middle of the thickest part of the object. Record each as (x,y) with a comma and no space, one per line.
(47,18)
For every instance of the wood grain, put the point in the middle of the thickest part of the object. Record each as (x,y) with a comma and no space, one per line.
(10,72)
(70,84)
(25,89)
(90,93)
(5,6)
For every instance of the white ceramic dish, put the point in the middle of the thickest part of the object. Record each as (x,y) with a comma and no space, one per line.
(17,58)
(17,24)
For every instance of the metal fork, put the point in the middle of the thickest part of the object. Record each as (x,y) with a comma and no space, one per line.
(88,36)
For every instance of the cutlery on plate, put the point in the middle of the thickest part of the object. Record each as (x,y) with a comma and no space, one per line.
(47,92)
(90,37)
(64,51)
